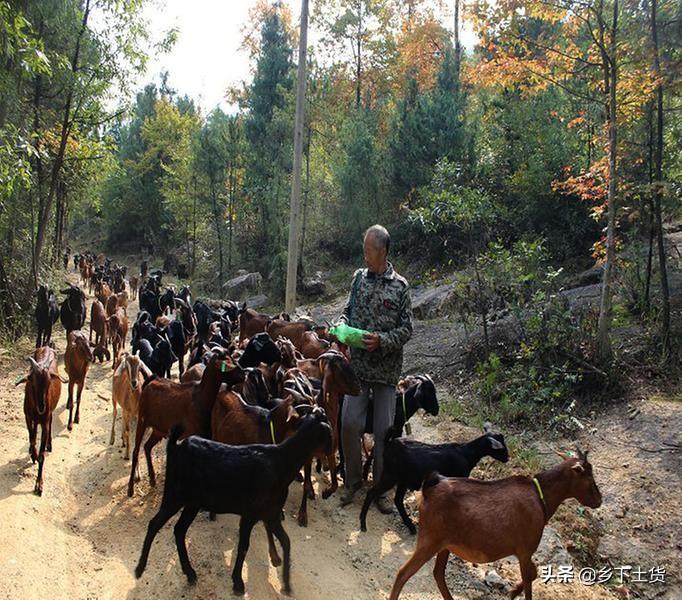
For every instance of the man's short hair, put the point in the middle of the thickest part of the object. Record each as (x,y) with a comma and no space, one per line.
(381,236)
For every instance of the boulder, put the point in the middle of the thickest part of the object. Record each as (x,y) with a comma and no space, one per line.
(314,286)
(430,302)
(257,301)
(242,286)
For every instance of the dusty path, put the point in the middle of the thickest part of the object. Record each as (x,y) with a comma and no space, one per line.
(83,537)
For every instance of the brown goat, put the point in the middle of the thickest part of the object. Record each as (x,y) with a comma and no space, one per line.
(41,395)
(123,299)
(77,359)
(485,521)
(102,292)
(251,323)
(278,328)
(118,328)
(126,387)
(338,379)
(194,373)
(133,283)
(98,323)
(312,346)
(165,403)
(112,304)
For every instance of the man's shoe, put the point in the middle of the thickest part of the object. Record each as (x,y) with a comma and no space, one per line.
(349,494)
(384,505)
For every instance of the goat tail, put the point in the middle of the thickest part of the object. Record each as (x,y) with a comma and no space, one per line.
(391,433)
(430,481)
(175,433)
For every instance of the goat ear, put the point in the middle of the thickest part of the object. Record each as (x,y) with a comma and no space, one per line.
(562,455)
(487,427)
(292,415)
(578,468)
(495,443)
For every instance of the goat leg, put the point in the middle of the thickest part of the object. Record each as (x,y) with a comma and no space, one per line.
(334,483)
(155,525)
(69,404)
(38,489)
(78,402)
(272,549)
(422,554)
(32,434)
(368,464)
(439,573)
(154,439)
(283,538)
(180,530)
(400,505)
(139,434)
(303,509)
(245,527)
(528,574)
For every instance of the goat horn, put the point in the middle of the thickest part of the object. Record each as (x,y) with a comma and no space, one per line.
(33,362)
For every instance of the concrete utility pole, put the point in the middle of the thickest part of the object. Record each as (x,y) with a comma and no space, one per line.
(295,209)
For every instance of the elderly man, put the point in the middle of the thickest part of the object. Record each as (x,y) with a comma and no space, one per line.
(380,303)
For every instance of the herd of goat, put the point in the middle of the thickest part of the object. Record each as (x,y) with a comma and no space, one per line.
(258,401)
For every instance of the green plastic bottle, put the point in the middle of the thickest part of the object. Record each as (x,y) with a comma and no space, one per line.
(351,336)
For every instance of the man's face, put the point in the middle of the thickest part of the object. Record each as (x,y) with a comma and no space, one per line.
(374,257)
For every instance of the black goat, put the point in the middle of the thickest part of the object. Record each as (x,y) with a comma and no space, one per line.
(413,392)
(72,311)
(407,463)
(159,359)
(251,481)
(47,313)
(176,337)
(260,349)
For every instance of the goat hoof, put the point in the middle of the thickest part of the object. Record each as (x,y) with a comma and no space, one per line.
(413,530)
(139,569)
(303,520)
(192,577)
(311,494)
(70,426)
(299,477)
(363,527)
(327,493)
(276,561)
(286,589)
(130,492)
(238,588)
(38,491)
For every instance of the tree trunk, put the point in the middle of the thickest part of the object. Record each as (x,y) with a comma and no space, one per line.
(651,231)
(458,47)
(44,213)
(606,304)
(658,169)
(358,66)
(219,234)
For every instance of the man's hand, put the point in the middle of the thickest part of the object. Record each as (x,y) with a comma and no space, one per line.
(371,341)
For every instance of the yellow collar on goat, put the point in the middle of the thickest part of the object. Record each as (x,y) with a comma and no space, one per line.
(542,497)
(272,432)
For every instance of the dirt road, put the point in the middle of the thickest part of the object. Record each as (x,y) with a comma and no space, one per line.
(82,538)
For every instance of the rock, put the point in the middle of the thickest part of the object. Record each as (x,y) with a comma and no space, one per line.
(257,301)
(590,276)
(583,298)
(552,550)
(242,286)
(493,580)
(430,302)
(314,286)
